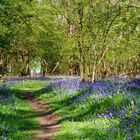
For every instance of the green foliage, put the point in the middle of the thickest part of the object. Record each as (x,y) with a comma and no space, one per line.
(14,123)
(50,32)
(80,119)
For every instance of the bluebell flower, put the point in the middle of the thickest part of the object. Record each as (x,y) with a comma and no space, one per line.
(131,130)
(122,126)
(130,138)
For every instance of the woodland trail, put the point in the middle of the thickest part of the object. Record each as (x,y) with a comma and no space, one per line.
(47,119)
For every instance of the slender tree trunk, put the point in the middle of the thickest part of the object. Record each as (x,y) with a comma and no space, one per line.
(43,68)
(93,73)
(27,72)
(80,43)
(94,61)
(44,71)
(25,69)
(1,62)
(82,61)
(57,64)
(71,65)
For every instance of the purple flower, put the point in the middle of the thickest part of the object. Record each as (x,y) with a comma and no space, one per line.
(110,115)
(123,126)
(130,138)
(131,130)
(127,121)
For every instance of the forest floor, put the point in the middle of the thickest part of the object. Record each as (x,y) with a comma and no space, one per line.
(47,119)
(47,109)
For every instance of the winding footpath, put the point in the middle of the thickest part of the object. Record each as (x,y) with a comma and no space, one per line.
(47,119)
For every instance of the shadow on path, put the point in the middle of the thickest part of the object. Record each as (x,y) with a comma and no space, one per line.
(47,119)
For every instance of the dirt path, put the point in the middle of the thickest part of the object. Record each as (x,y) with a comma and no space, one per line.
(47,119)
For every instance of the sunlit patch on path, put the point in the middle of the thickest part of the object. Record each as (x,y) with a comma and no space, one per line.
(47,119)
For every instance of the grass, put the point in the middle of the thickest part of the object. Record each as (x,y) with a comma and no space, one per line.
(15,120)
(86,130)
(13,125)
(33,85)
(82,119)
(78,123)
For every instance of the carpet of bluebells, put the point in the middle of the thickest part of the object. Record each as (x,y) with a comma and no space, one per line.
(117,101)
(107,109)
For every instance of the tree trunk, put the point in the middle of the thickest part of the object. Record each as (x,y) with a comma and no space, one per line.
(57,64)
(80,43)
(82,63)
(43,68)
(93,73)
(44,71)
(27,67)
